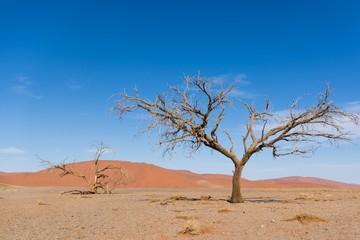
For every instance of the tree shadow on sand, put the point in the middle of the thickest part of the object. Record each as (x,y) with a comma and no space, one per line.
(267,200)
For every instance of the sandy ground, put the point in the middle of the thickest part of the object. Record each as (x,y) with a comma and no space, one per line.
(43,213)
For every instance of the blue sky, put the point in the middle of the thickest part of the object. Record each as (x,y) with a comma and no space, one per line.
(61,61)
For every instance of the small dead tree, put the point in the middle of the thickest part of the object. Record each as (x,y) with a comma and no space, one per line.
(98,178)
(190,116)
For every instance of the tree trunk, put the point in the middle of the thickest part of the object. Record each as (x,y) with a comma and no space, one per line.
(96,174)
(236,196)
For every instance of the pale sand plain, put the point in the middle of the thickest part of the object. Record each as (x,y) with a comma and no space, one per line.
(43,213)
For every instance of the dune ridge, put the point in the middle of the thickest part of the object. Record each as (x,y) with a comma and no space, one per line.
(144,175)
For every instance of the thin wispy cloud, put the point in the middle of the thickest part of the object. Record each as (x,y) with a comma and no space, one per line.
(24,86)
(75,85)
(349,166)
(240,79)
(11,150)
(238,93)
(347,126)
(353,107)
(106,151)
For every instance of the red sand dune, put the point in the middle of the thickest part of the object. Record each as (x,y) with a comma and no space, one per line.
(143,175)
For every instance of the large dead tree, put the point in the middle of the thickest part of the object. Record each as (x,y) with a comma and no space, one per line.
(98,177)
(189,116)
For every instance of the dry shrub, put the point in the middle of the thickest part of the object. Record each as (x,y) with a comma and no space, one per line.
(191,228)
(177,198)
(225,209)
(41,202)
(185,217)
(305,196)
(163,203)
(205,197)
(329,197)
(306,218)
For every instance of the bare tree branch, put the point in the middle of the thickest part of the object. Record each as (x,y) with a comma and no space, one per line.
(98,179)
(190,116)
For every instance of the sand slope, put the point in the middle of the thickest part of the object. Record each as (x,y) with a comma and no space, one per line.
(143,175)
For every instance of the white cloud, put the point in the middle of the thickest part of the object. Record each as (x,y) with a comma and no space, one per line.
(23,79)
(11,150)
(74,85)
(345,123)
(240,78)
(24,87)
(350,166)
(353,107)
(242,94)
(106,151)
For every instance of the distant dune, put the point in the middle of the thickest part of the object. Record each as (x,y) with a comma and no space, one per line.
(143,175)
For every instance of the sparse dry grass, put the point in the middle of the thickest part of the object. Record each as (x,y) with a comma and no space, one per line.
(205,197)
(41,202)
(177,198)
(306,196)
(305,218)
(225,209)
(191,228)
(185,217)
(311,197)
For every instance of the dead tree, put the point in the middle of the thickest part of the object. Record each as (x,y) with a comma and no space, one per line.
(190,116)
(98,178)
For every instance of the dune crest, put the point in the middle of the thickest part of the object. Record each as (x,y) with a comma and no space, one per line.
(144,175)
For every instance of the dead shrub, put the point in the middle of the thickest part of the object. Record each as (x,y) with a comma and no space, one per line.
(41,202)
(225,209)
(205,197)
(305,218)
(185,217)
(306,196)
(191,228)
(177,198)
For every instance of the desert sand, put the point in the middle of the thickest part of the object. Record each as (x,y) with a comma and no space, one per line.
(197,213)
(158,203)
